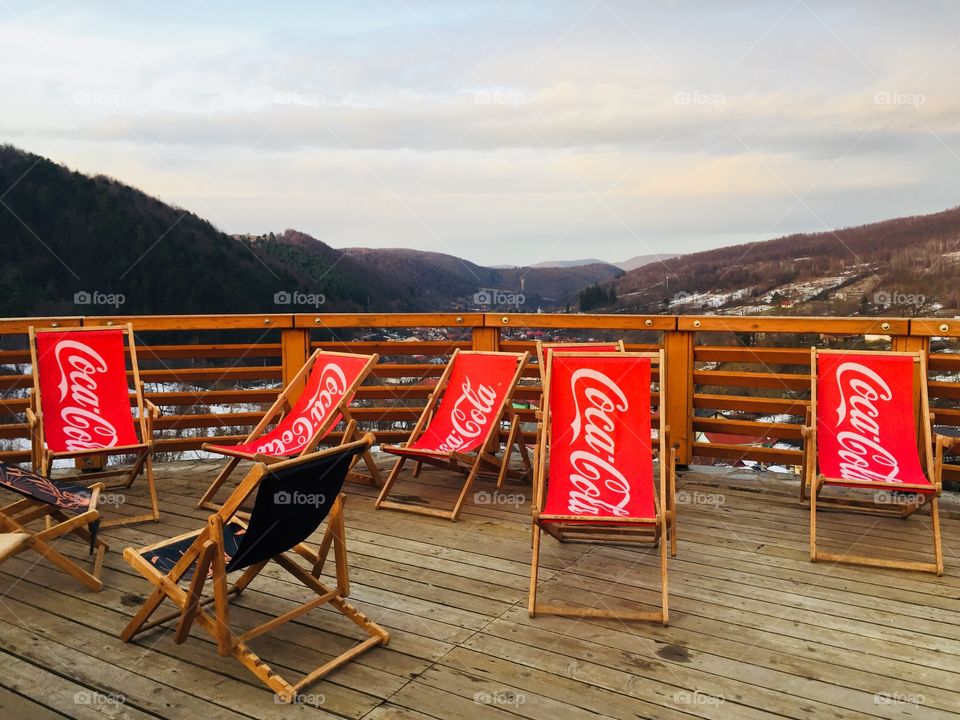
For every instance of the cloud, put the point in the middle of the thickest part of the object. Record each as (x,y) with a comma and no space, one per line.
(503,131)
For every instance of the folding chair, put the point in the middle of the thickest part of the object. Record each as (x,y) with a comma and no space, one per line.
(459,428)
(598,485)
(80,406)
(332,379)
(73,507)
(292,498)
(869,429)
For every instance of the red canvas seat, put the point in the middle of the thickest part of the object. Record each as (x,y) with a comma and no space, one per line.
(869,429)
(330,380)
(460,422)
(80,407)
(594,475)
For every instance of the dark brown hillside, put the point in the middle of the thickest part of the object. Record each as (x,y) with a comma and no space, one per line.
(901,257)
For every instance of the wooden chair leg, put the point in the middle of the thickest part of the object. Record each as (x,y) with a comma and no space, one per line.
(508,450)
(391,479)
(206,501)
(152,487)
(194,594)
(417,468)
(221,597)
(937,547)
(813,520)
(466,488)
(534,567)
(665,606)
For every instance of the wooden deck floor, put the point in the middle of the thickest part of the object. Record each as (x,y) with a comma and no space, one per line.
(756,630)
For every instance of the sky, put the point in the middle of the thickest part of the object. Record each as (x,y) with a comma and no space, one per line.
(500,132)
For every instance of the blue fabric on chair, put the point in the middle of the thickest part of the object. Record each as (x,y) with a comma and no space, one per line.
(166,556)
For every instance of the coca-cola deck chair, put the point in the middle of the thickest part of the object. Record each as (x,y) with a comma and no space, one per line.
(332,378)
(595,476)
(869,429)
(293,498)
(459,428)
(80,406)
(65,508)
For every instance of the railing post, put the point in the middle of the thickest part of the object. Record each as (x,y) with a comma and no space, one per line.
(486,339)
(910,343)
(678,348)
(294,351)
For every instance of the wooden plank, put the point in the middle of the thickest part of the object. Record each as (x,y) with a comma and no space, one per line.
(769,324)
(378,320)
(578,321)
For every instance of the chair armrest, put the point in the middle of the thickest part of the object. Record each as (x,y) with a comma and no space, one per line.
(152,409)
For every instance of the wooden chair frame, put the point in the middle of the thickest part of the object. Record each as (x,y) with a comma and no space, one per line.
(931,457)
(16,516)
(206,553)
(42,458)
(280,407)
(470,465)
(571,528)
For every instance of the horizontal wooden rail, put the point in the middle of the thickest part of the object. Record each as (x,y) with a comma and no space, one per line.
(728,377)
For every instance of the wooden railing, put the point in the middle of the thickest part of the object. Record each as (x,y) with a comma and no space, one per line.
(738,387)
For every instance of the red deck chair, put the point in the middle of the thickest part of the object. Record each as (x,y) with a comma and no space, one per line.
(461,423)
(332,381)
(869,428)
(80,407)
(597,432)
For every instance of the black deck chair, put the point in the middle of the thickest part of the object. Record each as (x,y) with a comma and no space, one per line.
(293,498)
(68,509)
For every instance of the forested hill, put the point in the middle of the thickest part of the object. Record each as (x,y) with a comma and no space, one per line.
(79,245)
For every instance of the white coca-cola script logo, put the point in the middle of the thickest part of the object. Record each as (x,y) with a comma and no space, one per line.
(594,466)
(862,454)
(79,364)
(471,413)
(329,392)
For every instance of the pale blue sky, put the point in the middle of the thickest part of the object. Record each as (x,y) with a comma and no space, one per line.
(502,132)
